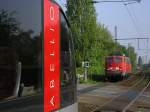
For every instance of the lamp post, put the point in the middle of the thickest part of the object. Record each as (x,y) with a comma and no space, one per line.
(117,1)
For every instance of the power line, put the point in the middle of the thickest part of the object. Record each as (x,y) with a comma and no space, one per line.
(134,39)
(133,12)
(115,1)
(143,49)
(131,38)
(136,19)
(132,19)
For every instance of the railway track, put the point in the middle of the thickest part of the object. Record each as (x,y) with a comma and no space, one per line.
(133,79)
(122,102)
(137,97)
(138,104)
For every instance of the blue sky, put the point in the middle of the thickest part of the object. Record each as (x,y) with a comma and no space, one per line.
(112,14)
(109,14)
(116,14)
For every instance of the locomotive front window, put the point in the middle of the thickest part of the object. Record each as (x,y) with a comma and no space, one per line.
(109,60)
(117,60)
(20,48)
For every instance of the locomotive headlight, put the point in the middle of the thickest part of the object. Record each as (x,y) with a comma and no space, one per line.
(117,68)
(110,68)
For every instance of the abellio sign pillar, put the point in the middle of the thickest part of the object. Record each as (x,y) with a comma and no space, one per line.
(51,57)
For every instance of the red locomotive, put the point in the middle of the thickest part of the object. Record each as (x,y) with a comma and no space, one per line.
(117,67)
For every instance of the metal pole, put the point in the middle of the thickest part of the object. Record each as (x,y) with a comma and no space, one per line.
(129,45)
(138,44)
(116,1)
(116,34)
(85,74)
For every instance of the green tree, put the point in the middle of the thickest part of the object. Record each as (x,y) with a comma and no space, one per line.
(133,56)
(92,40)
(140,62)
(82,17)
(8,27)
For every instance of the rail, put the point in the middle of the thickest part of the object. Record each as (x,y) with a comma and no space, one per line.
(137,97)
(118,97)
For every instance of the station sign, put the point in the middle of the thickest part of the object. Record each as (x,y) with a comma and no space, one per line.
(85,64)
(51,57)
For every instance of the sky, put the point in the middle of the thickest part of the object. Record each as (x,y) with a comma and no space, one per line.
(28,13)
(132,24)
(136,25)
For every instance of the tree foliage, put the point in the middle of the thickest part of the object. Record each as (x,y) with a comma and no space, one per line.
(93,41)
(8,27)
(26,47)
(12,36)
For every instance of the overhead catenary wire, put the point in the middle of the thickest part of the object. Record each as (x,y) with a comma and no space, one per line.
(132,19)
(113,1)
(141,30)
(137,20)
